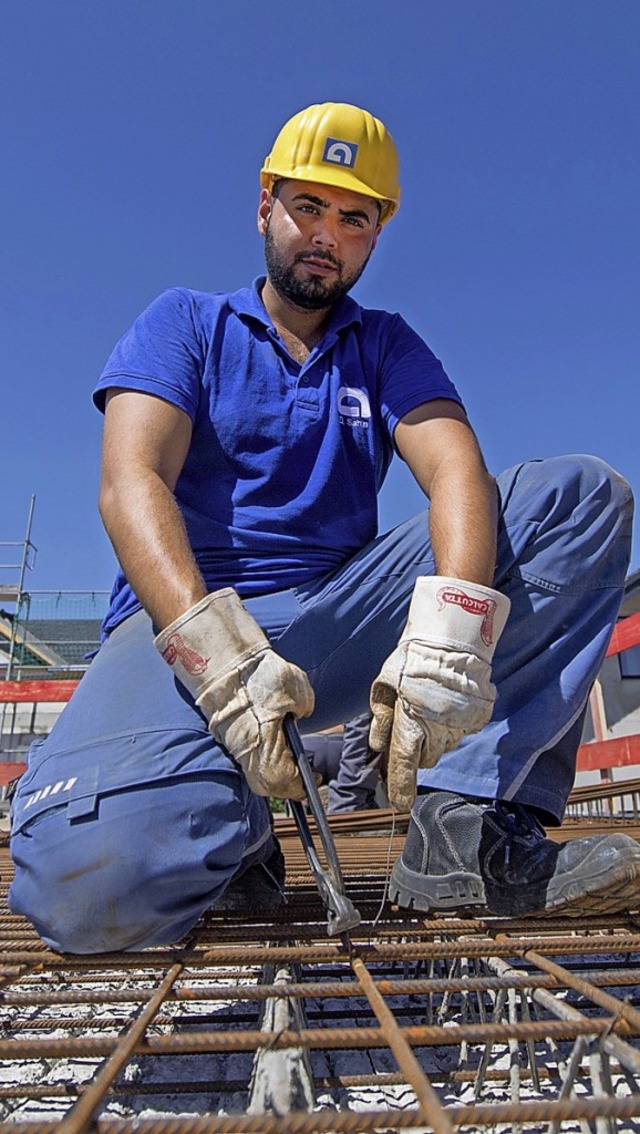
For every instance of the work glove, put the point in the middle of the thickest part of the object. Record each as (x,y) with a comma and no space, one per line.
(436,686)
(242,686)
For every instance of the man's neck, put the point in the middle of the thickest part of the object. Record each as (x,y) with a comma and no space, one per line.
(306,326)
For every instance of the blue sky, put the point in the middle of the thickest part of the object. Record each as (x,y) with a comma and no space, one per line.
(132,135)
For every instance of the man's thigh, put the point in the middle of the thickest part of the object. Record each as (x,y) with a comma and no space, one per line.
(130,819)
(347,624)
(128,688)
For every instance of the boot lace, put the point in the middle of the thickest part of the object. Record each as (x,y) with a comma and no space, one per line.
(517,820)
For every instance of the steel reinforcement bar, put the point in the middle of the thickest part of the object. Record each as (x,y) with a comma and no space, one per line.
(260,1023)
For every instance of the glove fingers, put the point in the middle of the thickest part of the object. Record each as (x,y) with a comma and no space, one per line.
(270,768)
(407,741)
(277,687)
(438,738)
(246,714)
(414,744)
(383,700)
(380,730)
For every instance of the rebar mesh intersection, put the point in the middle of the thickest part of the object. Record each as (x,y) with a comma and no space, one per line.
(259,1024)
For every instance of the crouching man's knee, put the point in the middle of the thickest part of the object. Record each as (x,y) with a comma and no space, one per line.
(591,478)
(105,907)
(580,511)
(136,871)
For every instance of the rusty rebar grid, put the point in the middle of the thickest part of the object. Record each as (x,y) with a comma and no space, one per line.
(441,1024)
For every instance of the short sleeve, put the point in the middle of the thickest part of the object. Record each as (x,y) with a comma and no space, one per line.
(410,374)
(160,354)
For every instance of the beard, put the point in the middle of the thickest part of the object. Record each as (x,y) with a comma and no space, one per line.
(312,293)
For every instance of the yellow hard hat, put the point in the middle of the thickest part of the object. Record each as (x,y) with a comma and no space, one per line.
(334,143)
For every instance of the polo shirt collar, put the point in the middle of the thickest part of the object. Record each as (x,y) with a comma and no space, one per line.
(248,302)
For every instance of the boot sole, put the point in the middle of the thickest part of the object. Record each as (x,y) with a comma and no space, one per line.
(440,892)
(612,891)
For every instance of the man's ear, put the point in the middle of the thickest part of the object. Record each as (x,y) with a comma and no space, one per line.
(265,205)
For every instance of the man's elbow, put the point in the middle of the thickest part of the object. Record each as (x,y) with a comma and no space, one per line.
(108,498)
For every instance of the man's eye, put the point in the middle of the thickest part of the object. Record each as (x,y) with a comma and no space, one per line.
(356,221)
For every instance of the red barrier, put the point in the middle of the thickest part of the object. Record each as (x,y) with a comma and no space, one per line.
(30,692)
(616,752)
(599,755)
(10,772)
(626,634)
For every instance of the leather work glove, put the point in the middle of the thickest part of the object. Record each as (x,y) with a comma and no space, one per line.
(243,687)
(436,686)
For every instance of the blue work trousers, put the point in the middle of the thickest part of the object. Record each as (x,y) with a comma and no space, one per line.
(130,821)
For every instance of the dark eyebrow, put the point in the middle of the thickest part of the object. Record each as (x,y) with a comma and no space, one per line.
(311,197)
(356,213)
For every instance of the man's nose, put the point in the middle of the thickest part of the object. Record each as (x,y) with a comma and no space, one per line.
(324,233)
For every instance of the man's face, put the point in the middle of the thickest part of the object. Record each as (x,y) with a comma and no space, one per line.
(318,240)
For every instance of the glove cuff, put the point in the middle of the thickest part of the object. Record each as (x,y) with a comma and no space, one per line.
(456,615)
(210,638)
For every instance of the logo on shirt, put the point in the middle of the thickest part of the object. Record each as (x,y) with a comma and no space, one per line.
(354,408)
(338,152)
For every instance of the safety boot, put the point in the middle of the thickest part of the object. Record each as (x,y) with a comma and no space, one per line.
(481,857)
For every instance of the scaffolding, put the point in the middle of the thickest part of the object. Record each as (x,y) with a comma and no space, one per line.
(45,636)
(49,633)
(21,556)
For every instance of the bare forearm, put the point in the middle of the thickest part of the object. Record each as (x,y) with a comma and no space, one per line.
(149,538)
(463,522)
(441,450)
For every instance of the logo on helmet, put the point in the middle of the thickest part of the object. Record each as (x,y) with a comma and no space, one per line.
(340,153)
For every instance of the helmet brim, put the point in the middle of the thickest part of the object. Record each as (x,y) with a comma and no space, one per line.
(338,177)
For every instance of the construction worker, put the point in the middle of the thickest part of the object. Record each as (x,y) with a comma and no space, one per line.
(246,437)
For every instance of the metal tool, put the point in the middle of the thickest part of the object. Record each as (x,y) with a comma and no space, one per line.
(341,913)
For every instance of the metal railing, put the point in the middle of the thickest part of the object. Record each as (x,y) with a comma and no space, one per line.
(49,638)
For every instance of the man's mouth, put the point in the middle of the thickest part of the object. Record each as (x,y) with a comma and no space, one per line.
(319,265)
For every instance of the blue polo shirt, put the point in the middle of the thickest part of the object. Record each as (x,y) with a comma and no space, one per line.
(286,460)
